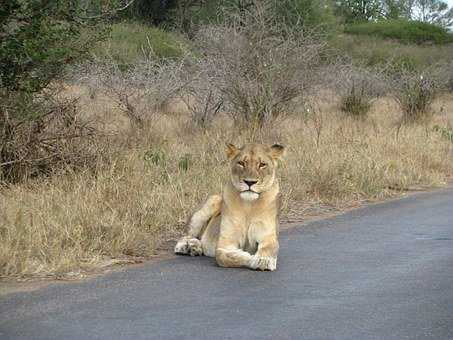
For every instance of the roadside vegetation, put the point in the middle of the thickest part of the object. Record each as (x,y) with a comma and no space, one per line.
(113,129)
(409,32)
(371,51)
(130,42)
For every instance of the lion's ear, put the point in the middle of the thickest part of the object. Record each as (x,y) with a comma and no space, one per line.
(231,151)
(277,151)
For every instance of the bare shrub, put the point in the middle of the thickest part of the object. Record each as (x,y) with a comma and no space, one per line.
(258,65)
(139,89)
(415,92)
(201,93)
(42,138)
(205,108)
(357,86)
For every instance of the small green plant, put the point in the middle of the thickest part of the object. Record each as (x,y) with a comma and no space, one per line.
(155,157)
(185,162)
(445,132)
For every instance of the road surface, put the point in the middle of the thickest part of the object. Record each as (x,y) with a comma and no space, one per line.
(381,272)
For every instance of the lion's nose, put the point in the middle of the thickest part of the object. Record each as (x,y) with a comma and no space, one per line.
(250,183)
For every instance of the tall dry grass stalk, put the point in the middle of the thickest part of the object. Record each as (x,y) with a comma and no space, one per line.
(141,197)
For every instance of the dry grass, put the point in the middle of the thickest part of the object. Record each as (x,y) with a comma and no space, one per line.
(158,174)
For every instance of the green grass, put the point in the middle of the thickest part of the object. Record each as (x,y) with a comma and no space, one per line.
(129,42)
(132,41)
(409,32)
(445,132)
(371,51)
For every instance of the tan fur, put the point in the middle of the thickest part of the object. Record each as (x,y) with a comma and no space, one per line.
(240,228)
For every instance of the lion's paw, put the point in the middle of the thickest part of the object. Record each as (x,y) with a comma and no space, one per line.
(263,263)
(195,248)
(189,246)
(182,247)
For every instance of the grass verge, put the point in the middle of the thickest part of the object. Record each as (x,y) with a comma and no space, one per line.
(157,175)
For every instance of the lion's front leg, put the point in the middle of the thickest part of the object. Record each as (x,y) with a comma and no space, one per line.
(192,244)
(228,252)
(232,257)
(265,257)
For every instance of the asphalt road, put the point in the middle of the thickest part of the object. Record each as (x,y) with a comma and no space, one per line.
(380,272)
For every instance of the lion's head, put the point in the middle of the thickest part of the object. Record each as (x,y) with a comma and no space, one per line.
(253,168)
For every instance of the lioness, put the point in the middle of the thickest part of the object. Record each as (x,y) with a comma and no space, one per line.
(240,228)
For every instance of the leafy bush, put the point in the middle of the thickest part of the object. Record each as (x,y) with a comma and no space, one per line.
(405,31)
(38,40)
(307,14)
(358,11)
(151,11)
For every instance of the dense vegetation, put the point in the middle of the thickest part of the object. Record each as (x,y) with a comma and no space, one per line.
(409,32)
(39,39)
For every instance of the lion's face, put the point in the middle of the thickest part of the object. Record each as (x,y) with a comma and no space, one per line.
(253,168)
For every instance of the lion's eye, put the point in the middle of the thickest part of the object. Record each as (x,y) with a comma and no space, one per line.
(263,165)
(241,164)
